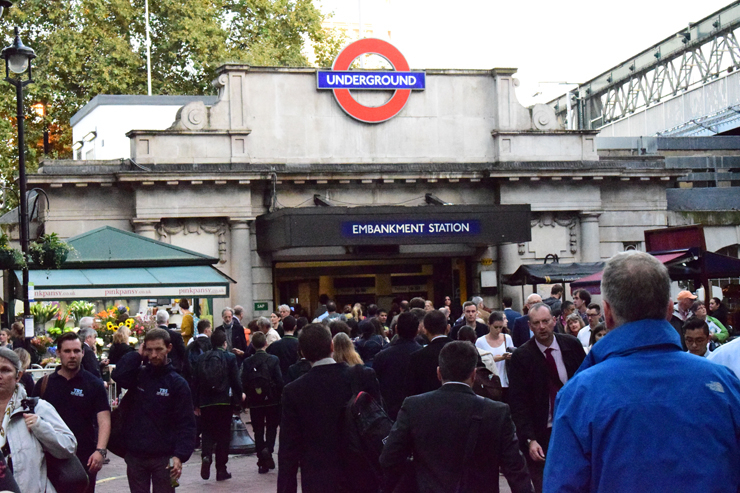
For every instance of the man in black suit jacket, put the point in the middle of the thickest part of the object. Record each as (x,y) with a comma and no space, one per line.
(539,368)
(521,332)
(286,348)
(313,409)
(422,374)
(178,356)
(235,338)
(435,428)
(89,359)
(392,364)
(470,318)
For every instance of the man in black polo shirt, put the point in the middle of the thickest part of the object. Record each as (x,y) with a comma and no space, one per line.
(81,400)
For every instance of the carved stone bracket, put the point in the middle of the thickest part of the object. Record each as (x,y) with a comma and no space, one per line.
(547,219)
(176,226)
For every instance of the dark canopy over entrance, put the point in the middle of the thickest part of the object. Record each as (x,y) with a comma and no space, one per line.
(552,273)
(393,225)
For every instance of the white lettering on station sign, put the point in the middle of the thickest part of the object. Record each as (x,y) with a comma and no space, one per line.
(102,293)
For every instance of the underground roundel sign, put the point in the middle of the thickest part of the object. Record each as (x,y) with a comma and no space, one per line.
(341,80)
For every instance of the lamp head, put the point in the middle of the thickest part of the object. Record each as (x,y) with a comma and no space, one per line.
(5,4)
(18,56)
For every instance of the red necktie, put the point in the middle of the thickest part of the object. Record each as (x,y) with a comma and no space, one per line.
(553,383)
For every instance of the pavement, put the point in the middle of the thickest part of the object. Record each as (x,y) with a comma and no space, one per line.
(243,469)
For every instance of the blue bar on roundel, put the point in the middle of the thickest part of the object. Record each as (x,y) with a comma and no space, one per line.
(354,79)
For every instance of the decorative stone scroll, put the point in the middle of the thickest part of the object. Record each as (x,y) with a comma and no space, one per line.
(187,226)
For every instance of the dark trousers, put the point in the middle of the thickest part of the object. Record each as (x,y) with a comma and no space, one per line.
(536,469)
(265,422)
(144,472)
(216,425)
(91,477)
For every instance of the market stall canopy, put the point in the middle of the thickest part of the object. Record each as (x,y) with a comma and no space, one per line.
(686,264)
(111,263)
(552,273)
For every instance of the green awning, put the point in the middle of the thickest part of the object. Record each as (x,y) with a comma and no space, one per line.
(199,281)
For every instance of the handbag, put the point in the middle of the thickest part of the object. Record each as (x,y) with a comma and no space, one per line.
(66,475)
(117,440)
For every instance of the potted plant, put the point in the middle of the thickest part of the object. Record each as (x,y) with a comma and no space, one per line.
(10,258)
(49,252)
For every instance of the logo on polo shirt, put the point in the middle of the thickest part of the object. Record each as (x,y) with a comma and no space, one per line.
(77,393)
(164,392)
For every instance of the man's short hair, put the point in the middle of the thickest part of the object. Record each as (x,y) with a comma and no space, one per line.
(259,340)
(227,309)
(323,298)
(495,317)
(584,295)
(405,305)
(537,306)
(637,286)
(594,306)
(203,324)
(263,322)
(315,342)
(289,323)
(337,326)
(331,306)
(419,313)
(158,334)
(238,311)
(218,338)
(162,317)
(407,325)
(380,310)
(67,336)
(435,322)
(556,289)
(565,305)
(86,322)
(469,303)
(457,361)
(85,333)
(284,307)
(417,303)
(694,323)
(372,310)
(467,333)
(507,301)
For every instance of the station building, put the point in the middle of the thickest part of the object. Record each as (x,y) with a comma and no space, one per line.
(295,197)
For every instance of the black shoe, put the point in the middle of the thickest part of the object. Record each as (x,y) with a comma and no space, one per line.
(205,468)
(262,469)
(223,475)
(270,462)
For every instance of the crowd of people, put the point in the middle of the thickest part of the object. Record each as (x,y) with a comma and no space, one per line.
(584,387)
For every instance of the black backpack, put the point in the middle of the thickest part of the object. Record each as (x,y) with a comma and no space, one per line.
(258,384)
(366,425)
(214,372)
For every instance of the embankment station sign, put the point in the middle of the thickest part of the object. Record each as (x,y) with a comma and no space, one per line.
(341,80)
(416,228)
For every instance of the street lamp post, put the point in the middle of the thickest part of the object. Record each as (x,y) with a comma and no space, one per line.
(18,62)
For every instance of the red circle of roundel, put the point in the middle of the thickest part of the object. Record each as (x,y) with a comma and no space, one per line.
(371,114)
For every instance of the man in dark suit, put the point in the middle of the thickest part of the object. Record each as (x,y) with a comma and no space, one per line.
(392,364)
(522,333)
(313,408)
(89,358)
(539,368)
(422,374)
(436,429)
(178,356)
(235,338)
(286,348)
(470,318)
(511,315)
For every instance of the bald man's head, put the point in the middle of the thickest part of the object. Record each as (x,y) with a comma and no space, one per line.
(533,299)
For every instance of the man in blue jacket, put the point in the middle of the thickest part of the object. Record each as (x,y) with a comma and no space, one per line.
(631,418)
(161,423)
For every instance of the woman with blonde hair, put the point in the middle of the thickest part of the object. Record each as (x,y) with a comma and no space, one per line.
(120,345)
(573,324)
(357,312)
(344,350)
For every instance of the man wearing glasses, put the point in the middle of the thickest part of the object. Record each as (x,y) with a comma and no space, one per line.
(593,314)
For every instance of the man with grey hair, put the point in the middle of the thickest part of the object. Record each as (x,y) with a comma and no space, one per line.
(86,323)
(638,390)
(236,341)
(264,325)
(89,358)
(539,369)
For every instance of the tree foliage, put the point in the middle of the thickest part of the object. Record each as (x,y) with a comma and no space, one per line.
(90,47)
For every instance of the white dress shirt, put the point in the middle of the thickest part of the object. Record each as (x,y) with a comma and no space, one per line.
(557,355)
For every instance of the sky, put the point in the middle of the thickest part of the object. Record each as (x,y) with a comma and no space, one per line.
(547,41)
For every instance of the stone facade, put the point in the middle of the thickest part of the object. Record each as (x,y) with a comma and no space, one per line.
(273,141)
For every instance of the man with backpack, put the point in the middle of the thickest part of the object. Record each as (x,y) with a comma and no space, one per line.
(216,389)
(263,385)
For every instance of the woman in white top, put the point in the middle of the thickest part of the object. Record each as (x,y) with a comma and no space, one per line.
(496,343)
